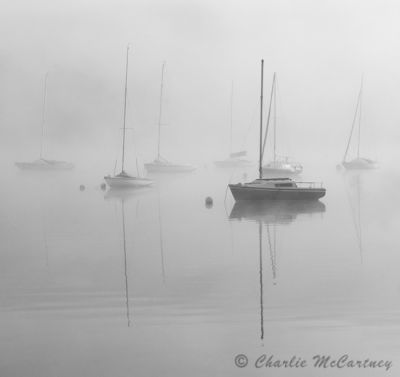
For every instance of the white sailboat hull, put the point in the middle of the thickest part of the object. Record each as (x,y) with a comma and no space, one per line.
(156,167)
(232,163)
(278,167)
(45,165)
(360,164)
(127,182)
(271,170)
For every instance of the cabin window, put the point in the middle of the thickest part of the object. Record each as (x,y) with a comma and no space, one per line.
(283,184)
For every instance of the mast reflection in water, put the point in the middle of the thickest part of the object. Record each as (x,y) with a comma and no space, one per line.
(271,213)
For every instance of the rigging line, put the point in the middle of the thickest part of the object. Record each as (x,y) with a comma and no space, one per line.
(261,121)
(359,118)
(226,194)
(352,125)
(269,114)
(231,121)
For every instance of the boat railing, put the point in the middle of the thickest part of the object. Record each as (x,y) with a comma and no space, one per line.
(309,184)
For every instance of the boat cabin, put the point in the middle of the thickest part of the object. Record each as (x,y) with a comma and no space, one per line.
(275,182)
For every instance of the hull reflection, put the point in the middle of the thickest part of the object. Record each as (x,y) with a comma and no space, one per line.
(125,194)
(274,211)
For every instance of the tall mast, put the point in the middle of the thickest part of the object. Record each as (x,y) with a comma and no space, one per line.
(43,113)
(160,111)
(231,121)
(261,120)
(274,117)
(359,119)
(354,122)
(126,92)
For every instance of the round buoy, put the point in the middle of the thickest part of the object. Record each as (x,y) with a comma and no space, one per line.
(209,202)
(82,187)
(103,186)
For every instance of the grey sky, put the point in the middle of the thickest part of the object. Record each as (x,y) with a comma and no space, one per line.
(318,48)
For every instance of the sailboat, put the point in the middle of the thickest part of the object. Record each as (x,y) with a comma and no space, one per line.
(42,163)
(235,159)
(279,165)
(358,162)
(123,179)
(274,188)
(160,164)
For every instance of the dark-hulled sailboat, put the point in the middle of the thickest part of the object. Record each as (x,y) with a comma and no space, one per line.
(274,188)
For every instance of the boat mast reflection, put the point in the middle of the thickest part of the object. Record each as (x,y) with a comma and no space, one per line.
(260,235)
(354,184)
(125,263)
(272,250)
(270,214)
(161,239)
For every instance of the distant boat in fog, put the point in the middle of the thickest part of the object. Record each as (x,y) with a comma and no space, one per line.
(160,164)
(280,164)
(274,188)
(358,162)
(235,159)
(123,179)
(43,163)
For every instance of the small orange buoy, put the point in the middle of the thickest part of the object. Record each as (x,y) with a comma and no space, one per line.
(103,186)
(82,187)
(209,202)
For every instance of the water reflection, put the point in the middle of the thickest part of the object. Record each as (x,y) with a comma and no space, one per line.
(126,193)
(125,262)
(274,212)
(269,215)
(260,235)
(353,192)
(161,237)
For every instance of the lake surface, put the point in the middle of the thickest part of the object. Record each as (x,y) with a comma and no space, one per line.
(153,283)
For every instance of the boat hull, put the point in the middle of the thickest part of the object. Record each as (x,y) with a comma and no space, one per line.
(168,168)
(243,192)
(280,171)
(52,166)
(130,182)
(360,164)
(232,163)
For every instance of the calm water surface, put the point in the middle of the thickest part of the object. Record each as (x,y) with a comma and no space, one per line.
(153,283)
